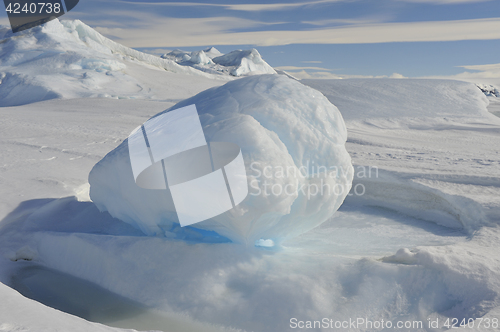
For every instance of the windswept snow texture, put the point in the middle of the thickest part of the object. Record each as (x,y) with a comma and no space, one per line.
(433,116)
(279,124)
(235,63)
(420,244)
(68,59)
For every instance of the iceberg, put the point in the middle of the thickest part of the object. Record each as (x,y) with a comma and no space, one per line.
(293,144)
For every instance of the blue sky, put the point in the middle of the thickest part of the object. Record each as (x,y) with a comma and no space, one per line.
(317,38)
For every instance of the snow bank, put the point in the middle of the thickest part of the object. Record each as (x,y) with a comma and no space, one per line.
(403,100)
(235,63)
(280,126)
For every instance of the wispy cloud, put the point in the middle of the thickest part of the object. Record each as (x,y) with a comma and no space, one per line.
(351,21)
(248,7)
(328,75)
(444,2)
(279,6)
(289,68)
(485,68)
(179,32)
(482,74)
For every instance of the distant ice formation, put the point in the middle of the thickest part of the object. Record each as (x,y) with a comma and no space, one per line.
(235,63)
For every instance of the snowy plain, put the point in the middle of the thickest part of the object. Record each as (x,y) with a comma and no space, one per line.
(420,243)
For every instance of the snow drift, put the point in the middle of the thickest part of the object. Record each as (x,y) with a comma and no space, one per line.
(292,139)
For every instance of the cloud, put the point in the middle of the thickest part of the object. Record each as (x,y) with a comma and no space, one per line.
(314,75)
(349,21)
(444,2)
(185,32)
(258,7)
(483,74)
(288,68)
(250,7)
(328,76)
(397,75)
(157,51)
(492,68)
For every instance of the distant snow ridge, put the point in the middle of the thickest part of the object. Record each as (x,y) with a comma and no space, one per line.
(235,63)
(290,135)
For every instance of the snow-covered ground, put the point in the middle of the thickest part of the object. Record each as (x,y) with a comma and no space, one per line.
(416,241)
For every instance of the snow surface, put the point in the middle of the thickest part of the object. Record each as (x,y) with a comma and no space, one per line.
(421,243)
(235,63)
(279,124)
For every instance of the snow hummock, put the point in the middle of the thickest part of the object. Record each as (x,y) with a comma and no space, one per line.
(279,124)
(236,63)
